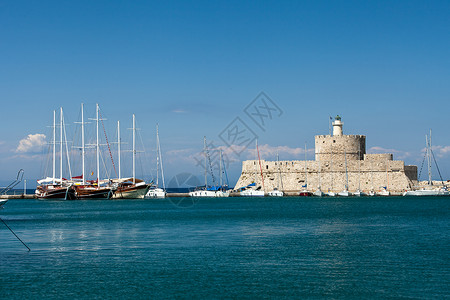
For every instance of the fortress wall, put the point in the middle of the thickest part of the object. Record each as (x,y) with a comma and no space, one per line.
(354,146)
(411,172)
(368,174)
(379,157)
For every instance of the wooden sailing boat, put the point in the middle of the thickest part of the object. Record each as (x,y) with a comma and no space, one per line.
(131,188)
(92,189)
(57,188)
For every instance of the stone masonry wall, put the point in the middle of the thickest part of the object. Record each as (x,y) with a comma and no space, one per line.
(351,146)
(368,174)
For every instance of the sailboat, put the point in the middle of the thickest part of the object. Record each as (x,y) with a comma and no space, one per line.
(222,190)
(305,192)
(276,192)
(252,190)
(204,191)
(130,188)
(52,187)
(429,190)
(156,191)
(96,189)
(384,191)
(345,192)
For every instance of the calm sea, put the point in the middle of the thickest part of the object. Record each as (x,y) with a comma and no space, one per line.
(227,248)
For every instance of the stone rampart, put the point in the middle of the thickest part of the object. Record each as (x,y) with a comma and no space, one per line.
(339,147)
(332,176)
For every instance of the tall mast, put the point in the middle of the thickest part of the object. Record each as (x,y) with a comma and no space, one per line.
(134,149)
(97,146)
(118,147)
(206,163)
(220,167)
(54,145)
(157,156)
(428,143)
(160,157)
(83,150)
(60,143)
(256,158)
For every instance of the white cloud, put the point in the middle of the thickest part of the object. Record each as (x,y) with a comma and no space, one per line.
(440,151)
(32,143)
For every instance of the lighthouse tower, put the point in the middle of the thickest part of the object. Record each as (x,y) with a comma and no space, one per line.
(337,126)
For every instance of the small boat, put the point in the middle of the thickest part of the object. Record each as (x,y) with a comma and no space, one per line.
(359,193)
(428,192)
(318,193)
(383,192)
(3,201)
(275,193)
(344,193)
(371,193)
(156,192)
(305,193)
(252,191)
(331,194)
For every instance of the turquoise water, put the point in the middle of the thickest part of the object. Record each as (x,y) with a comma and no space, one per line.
(227,248)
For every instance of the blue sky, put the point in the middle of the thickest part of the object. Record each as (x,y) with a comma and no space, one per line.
(193,67)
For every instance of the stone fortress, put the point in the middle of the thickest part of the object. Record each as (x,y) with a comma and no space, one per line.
(339,159)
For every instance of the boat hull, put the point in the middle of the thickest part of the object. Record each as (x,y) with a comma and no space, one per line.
(89,192)
(55,192)
(156,193)
(131,192)
(251,193)
(426,193)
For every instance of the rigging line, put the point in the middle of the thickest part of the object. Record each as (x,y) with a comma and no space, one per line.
(15,235)
(260,167)
(210,166)
(107,143)
(421,167)
(104,166)
(432,153)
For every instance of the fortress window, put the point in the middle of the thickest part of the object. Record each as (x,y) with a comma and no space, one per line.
(267,167)
(334,141)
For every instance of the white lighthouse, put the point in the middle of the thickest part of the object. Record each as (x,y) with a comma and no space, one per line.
(337,126)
